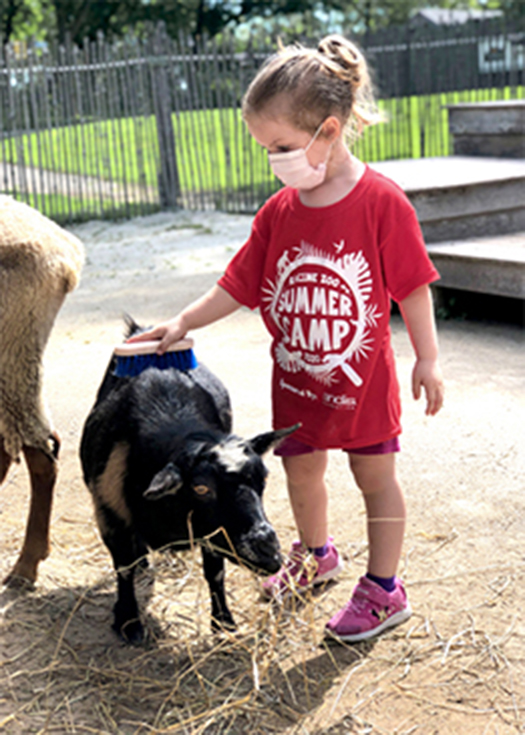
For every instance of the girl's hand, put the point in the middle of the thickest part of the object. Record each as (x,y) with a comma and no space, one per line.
(167,332)
(427,374)
(215,304)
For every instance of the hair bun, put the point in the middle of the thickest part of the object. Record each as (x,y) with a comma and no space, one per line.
(346,55)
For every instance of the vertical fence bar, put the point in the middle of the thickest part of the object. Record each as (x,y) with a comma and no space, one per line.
(115,159)
(55,119)
(134,151)
(221,112)
(17,152)
(179,120)
(65,150)
(69,98)
(47,128)
(4,85)
(138,93)
(122,124)
(86,121)
(194,116)
(39,197)
(169,186)
(90,55)
(215,162)
(111,157)
(83,173)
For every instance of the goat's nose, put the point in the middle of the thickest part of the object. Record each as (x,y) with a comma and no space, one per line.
(266,544)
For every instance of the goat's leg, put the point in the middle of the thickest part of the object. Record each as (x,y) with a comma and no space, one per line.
(43,473)
(126,551)
(221,616)
(126,612)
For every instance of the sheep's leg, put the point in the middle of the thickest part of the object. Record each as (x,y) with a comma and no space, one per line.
(43,473)
(213,565)
(5,461)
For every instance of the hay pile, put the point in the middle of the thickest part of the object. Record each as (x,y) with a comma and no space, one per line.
(64,671)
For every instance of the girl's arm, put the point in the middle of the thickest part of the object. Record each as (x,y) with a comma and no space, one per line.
(418,314)
(214,305)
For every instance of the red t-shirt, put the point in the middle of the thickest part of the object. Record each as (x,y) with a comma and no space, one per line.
(323,279)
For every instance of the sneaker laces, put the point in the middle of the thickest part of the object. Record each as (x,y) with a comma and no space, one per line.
(358,601)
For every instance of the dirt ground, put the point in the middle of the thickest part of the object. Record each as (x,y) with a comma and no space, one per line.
(457,666)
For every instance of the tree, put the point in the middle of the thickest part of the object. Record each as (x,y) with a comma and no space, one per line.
(20,19)
(79,19)
(370,15)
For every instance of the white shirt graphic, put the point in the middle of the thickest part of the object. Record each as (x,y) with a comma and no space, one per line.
(322,306)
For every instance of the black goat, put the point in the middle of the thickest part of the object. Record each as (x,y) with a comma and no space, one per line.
(163,468)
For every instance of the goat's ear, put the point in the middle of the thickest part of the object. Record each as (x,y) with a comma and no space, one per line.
(263,442)
(166,482)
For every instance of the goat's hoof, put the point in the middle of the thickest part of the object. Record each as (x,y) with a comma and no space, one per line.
(226,625)
(17,582)
(131,631)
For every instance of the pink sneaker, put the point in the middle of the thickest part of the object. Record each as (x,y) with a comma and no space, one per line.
(303,570)
(370,611)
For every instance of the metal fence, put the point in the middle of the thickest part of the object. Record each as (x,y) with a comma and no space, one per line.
(115,130)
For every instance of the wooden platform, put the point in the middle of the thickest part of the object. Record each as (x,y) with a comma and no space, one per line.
(492,128)
(472,213)
(485,265)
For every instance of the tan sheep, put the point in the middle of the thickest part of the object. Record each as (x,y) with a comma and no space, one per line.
(39,264)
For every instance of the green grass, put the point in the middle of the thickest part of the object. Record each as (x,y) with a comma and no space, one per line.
(417,127)
(214,151)
(210,145)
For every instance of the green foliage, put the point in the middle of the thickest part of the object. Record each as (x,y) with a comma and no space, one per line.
(22,19)
(80,19)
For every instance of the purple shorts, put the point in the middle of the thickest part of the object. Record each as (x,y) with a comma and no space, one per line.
(291,447)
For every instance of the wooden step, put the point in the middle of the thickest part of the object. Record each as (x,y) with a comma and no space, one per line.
(459,197)
(492,265)
(492,128)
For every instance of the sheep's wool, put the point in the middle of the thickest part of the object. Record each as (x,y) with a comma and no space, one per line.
(39,264)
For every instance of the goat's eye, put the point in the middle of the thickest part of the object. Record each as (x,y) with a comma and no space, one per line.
(201,489)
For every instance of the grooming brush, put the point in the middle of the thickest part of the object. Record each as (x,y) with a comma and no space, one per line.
(134,358)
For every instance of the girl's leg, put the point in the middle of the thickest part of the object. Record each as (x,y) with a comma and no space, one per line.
(308,496)
(309,501)
(379,601)
(375,476)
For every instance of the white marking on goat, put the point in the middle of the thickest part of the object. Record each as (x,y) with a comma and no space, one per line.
(108,487)
(231,455)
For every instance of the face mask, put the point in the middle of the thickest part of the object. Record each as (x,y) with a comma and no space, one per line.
(294,169)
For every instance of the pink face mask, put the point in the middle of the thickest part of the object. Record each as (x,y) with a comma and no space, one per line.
(294,169)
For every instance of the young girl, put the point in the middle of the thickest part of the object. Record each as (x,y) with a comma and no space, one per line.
(324,257)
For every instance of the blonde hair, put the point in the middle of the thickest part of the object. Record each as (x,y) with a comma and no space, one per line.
(316,83)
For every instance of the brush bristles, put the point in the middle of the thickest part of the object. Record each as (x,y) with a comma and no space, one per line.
(130,366)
